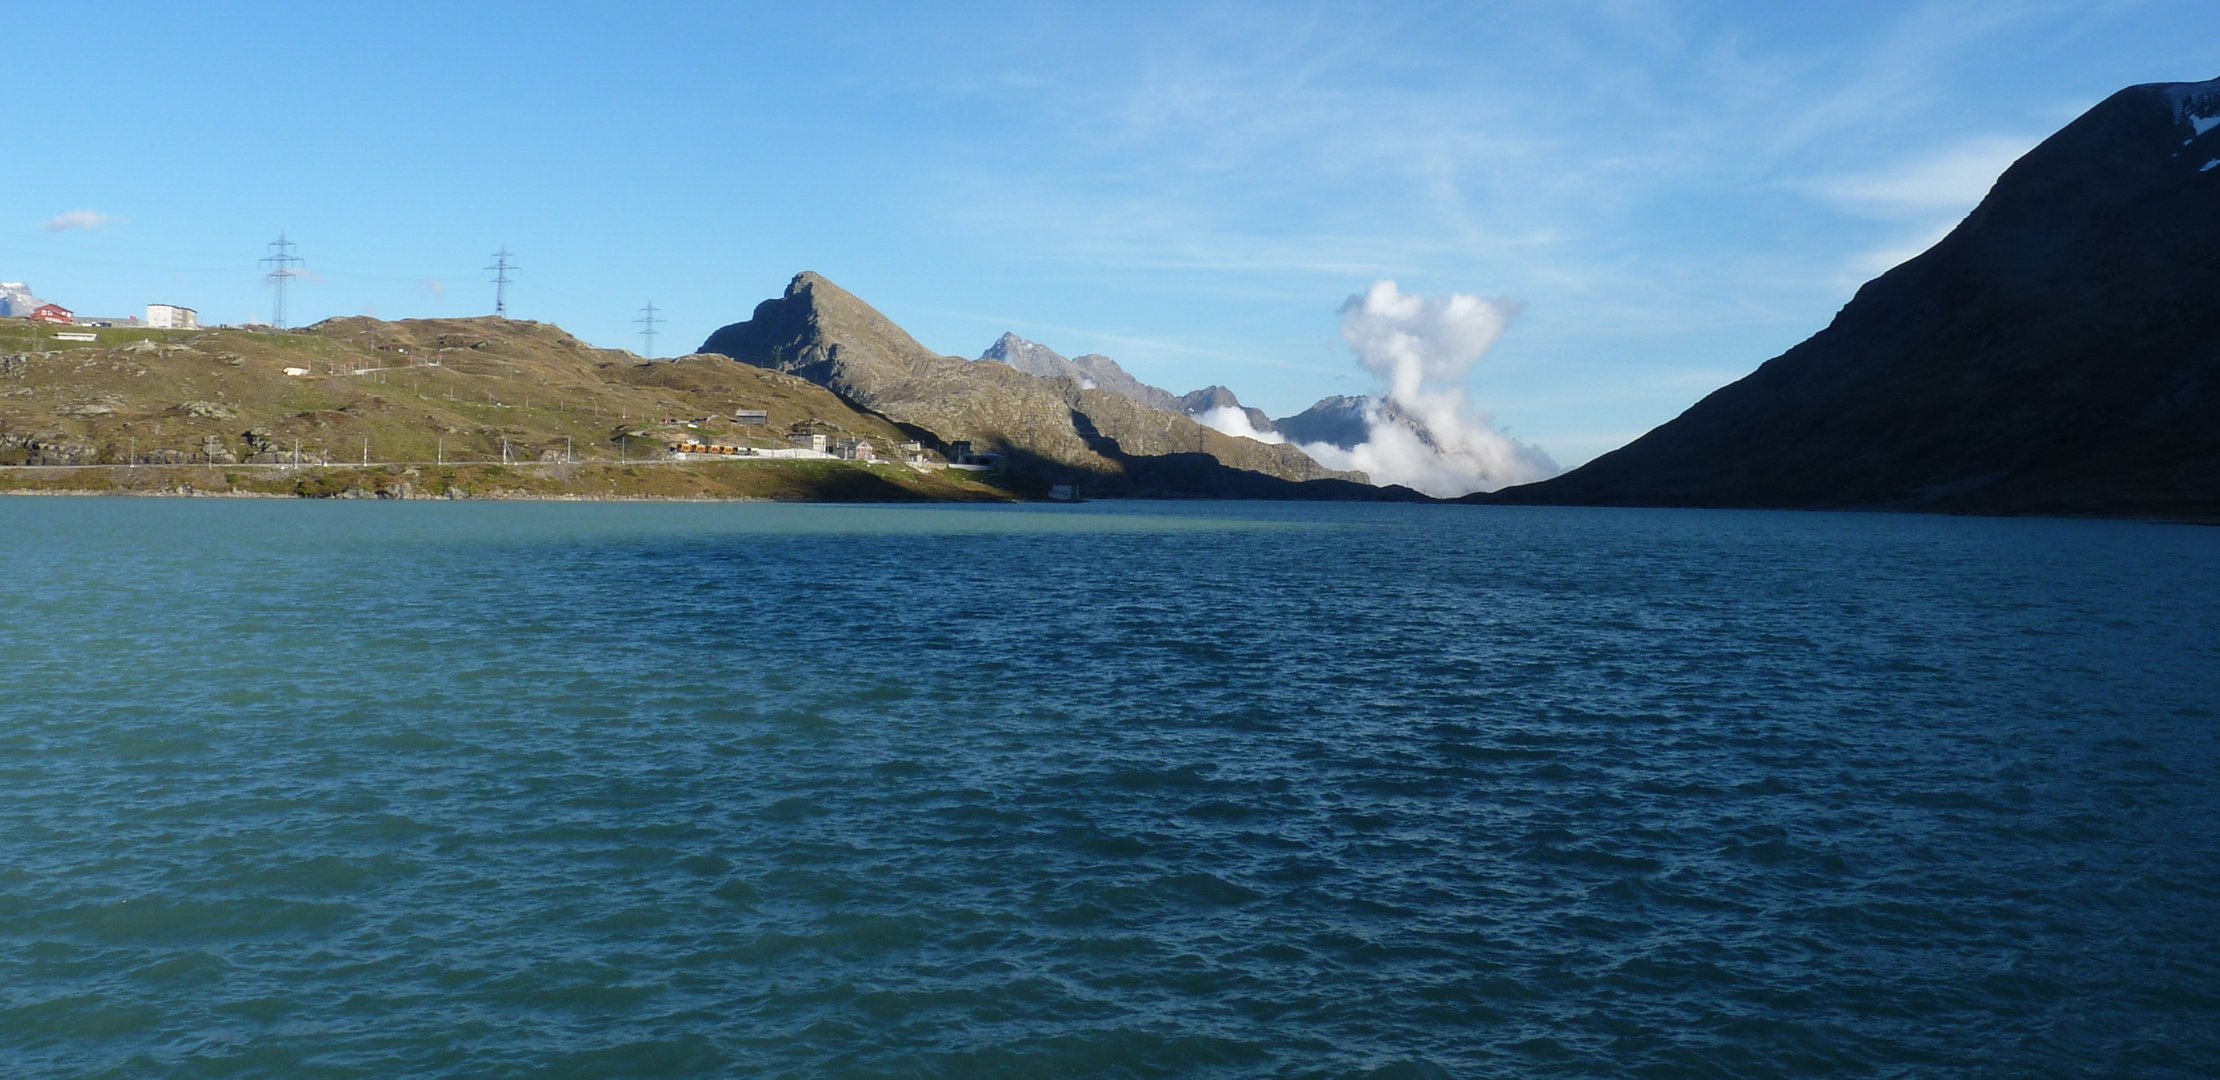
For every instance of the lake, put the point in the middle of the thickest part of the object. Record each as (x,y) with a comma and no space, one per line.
(310,789)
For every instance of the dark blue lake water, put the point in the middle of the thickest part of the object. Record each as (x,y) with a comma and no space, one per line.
(312,790)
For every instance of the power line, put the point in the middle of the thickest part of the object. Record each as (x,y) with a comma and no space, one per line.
(647,328)
(501,280)
(282,261)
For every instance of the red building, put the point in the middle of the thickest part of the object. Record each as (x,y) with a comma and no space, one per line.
(52,313)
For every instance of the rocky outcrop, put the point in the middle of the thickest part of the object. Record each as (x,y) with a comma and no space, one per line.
(2058,352)
(1055,428)
(50,448)
(208,410)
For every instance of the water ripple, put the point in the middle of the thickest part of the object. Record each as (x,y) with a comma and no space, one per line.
(1199,790)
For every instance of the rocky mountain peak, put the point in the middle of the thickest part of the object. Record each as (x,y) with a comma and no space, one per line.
(16,299)
(1341,421)
(1030,357)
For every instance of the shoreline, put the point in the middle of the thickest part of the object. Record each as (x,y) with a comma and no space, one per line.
(551,481)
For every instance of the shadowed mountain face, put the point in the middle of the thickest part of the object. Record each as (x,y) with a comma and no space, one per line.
(1052,428)
(2059,352)
(1340,421)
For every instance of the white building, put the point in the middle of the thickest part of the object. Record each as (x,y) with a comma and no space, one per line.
(172,317)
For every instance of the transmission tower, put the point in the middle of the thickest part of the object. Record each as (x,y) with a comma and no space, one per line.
(501,267)
(647,328)
(281,261)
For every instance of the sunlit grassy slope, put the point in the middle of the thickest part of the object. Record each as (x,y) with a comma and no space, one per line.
(434,393)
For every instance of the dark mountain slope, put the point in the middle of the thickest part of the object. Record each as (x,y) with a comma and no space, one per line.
(2059,352)
(1341,421)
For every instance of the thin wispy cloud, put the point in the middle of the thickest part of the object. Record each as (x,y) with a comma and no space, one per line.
(1636,167)
(87,220)
(1951,181)
(1307,135)
(1869,264)
(1927,196)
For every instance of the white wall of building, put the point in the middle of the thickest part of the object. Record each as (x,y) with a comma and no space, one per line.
(172,317)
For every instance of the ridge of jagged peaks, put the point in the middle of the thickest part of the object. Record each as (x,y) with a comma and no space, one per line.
(1095,370)
(2057,352)
(1091,371)
(1051,428)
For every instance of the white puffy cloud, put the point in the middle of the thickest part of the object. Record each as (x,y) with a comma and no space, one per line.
(1424,432)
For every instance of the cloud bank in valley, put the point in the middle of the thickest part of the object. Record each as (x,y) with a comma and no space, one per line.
(1235,422)
(1424,432)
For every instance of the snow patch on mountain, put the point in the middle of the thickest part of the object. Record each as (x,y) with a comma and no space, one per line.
(2197,105)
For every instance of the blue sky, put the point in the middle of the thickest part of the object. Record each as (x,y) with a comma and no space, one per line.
(1674,191)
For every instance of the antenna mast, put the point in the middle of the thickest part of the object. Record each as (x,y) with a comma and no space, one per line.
(281,260)
(501,280)
(647,328)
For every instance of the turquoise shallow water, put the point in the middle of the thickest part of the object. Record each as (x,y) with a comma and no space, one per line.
(1199,790)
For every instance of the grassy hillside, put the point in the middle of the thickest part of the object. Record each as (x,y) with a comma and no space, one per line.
(448,394)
